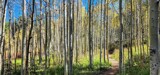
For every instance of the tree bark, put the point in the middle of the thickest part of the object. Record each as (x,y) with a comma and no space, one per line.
(40,51)
(101,36)
(23,35)
(9,43)
(90,37)
(71,34)
(3,20)
(105,31)
(2,39)
(131,35)
(46,38)
(65,43)
(121,39)
(77,49)
(154,37)
(29,37)
(108,30)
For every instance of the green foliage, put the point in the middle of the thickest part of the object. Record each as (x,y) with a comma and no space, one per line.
(80,68)
(140,67)
(135,52)
(140,63)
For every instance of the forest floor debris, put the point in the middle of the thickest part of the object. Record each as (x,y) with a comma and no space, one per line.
(113,70)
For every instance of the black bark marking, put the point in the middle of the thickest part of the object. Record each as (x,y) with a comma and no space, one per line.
(152,52)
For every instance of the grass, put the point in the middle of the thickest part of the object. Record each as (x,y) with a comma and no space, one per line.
(56,68)
(115,55)
(140,64)
(139,67)
(82,67)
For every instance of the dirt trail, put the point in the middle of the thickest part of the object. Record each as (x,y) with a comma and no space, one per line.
(114,69)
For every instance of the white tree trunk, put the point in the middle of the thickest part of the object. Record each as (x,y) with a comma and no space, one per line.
(121,39)
(3,13)
(154,37)
(0,35)
(23,36)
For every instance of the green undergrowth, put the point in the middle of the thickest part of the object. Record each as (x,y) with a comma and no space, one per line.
(136,52)
(56,68)
(140,64)
(140,67)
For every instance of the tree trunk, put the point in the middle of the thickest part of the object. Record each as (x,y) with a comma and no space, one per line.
(108,30)
(131,35)
(101,36)
(2,39)
(3,19)
(40,51)
(154,37)
(90,36)
(71,34)
(104,31)
(65,43)
(77,31)
(17,49)
(29,37)
(3,57)
(23,36)
(121,39)
(9,43)
(46,39)
(50,34)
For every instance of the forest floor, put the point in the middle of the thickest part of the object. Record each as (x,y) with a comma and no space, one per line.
(113,70)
